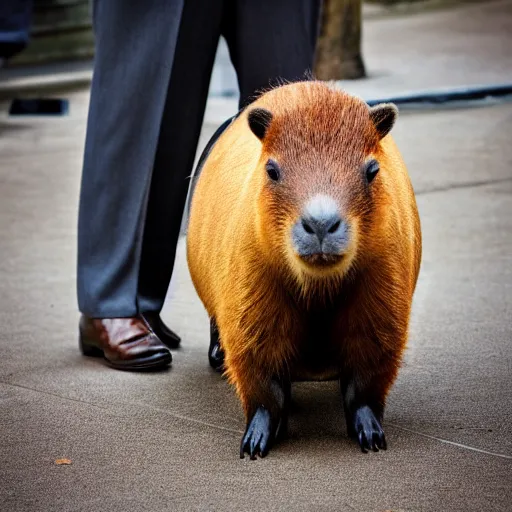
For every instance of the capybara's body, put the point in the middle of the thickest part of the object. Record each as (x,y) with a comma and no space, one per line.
(304,245)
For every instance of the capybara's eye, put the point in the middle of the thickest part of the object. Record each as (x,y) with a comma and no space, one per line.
(273,171)
(371,169)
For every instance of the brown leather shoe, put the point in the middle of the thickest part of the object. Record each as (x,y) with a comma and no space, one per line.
(125,343)
(168,337)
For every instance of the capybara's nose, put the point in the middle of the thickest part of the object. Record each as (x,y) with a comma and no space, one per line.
(322,226)
(320,229)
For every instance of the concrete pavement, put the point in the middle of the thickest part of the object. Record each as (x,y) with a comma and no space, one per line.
(169,441)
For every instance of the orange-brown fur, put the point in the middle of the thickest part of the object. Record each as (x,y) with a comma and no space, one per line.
(276,315)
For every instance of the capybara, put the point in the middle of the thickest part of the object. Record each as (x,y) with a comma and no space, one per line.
(304,245)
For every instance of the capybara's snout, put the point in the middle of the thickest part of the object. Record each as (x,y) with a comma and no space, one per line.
(320,234)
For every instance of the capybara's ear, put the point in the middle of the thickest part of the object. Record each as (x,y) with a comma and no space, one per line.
(259,121)
(384,117)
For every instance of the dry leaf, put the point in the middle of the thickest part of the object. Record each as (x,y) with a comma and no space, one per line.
(63,462)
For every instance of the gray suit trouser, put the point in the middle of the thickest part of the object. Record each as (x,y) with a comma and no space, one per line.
(151,78)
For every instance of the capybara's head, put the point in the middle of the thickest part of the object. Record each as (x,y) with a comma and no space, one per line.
(319,176)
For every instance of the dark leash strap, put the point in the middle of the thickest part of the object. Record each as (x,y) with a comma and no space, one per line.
(206,152)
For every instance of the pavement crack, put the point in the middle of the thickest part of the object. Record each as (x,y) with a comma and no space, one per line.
(453,443)
(137,404)
(237,431)
(456,186)
(53,394)
(187,418)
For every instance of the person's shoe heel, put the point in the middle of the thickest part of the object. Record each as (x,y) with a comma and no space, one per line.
(88,350)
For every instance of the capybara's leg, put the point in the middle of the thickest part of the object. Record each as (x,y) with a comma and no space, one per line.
(267,419)
(264,399)
(364,395)
(215,352)
(256,361)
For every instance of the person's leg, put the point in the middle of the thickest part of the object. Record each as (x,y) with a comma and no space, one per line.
(180,129)
(152,71)
(271,41)
(135,44)
(142,129)
(268,41)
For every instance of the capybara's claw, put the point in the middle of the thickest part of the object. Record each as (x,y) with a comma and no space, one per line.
(379,440)
(258,435)
(362,442)
(368,430)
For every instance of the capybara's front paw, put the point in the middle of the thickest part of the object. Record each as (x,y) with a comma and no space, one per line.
(258,436)
(368,430)
(215,352)
(216,357)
